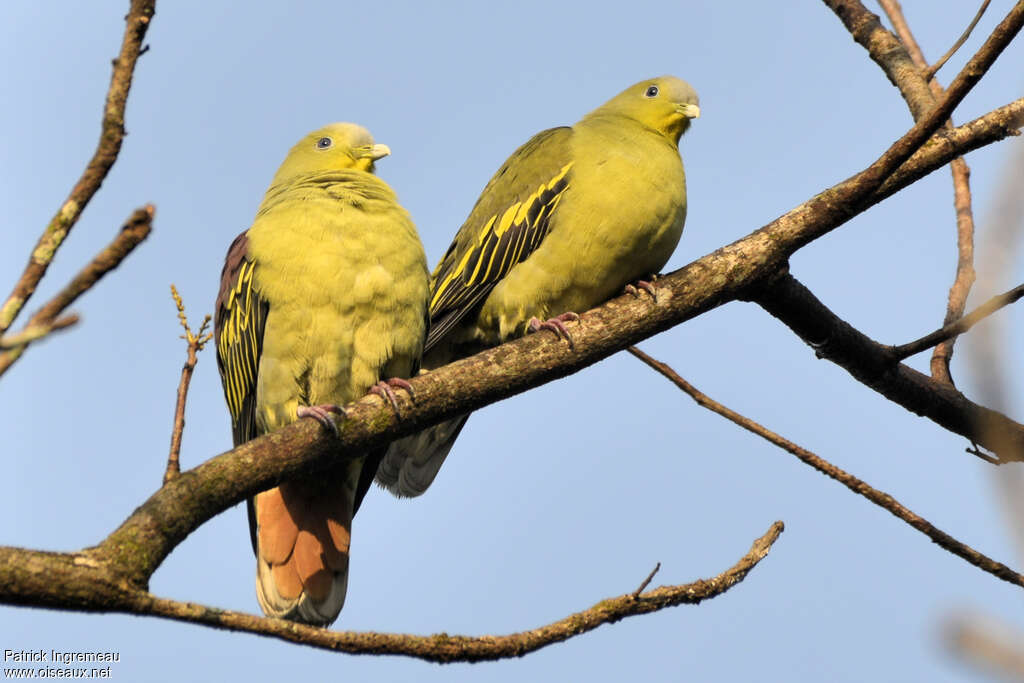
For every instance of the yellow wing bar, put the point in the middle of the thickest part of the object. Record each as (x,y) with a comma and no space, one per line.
(241,316)
(502,243)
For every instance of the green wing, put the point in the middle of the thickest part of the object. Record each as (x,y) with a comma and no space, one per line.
(505,226)
(238,332)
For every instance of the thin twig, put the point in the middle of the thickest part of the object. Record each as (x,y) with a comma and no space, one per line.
(965,275)
(195,343)
(446,648)
(894,11)
(960,326)
(880,498)
(132,233)
(646,582)
(931,71)
(36,332)
(111,134)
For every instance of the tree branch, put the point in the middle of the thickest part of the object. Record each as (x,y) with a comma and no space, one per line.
(133,232)
(959,326)
(111,134)
(36,332)
(871,178)
(81,582)
(930,72)
(643,584)
(965,275)
(443,648)
(886,51)
(875,365)
(194,343)
(879,498)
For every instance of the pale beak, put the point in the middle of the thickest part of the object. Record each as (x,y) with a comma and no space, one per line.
(690,111)
(374,152)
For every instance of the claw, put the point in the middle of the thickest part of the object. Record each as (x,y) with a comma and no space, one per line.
(556,325)
(324,414)
(645,285)
(384,390)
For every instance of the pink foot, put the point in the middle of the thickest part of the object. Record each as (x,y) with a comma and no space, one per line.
(556,325)
(645,285)
(324,414)
(384,390)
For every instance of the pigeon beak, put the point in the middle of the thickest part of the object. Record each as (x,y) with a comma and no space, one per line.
(690,111)
(375,152)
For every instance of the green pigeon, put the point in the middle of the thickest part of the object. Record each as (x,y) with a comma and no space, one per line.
(321,301)
(571,219)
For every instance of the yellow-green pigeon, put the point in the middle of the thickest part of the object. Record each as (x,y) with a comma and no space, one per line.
(321,301)
(572,218)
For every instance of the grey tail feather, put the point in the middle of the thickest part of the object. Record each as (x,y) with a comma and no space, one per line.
(302,609)
(411,463)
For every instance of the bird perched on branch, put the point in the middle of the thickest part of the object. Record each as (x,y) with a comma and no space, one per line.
(320,300)
(572,218)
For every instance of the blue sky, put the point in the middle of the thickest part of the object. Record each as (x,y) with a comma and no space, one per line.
(560,497)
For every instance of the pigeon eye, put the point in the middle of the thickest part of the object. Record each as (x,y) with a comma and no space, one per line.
(324,143)
(652,91)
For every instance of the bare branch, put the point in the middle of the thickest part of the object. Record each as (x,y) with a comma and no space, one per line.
(976,67)
(444,648)
(880,498)
(997,124)
(874,365)
(960,326)
(84,581)
(965,275)
(36,332)
(933,69)
(111,134)
(646,582)
(194,343)
(133,232)
(886,51)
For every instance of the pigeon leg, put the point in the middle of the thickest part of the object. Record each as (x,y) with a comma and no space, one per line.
(324,414)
